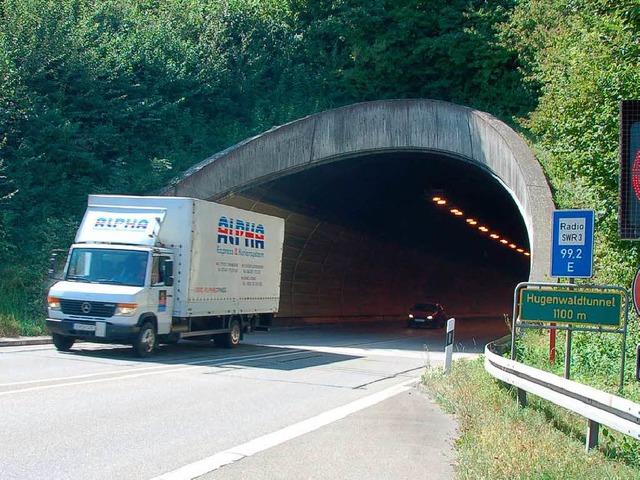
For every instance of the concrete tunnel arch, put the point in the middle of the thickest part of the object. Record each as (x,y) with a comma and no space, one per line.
(318,252)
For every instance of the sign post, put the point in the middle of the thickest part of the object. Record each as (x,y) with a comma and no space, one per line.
(571,256)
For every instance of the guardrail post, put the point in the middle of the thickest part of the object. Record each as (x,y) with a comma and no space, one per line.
(522,397)
(592,435)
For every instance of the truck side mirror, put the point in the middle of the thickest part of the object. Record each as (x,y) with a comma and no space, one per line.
(56,264)
(168,273)
(52,264)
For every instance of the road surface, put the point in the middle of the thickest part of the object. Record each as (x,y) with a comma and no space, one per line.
(99,412)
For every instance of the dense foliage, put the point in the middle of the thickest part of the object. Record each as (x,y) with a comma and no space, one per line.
(585,55)
(116,96)
(441,49)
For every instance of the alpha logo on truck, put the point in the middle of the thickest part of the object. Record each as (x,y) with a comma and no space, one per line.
(122,223)
(240,233)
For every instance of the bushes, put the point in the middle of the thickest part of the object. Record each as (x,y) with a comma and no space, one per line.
(22,302)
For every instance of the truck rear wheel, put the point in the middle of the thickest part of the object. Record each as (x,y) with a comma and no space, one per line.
(232,339)
(62,342)
(145,343)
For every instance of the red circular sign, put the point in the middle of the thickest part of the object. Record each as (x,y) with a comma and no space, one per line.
(635,293)
(635,175)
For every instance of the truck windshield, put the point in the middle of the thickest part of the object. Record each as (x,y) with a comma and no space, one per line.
(99,265)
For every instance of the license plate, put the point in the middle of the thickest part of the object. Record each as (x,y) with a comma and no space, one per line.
(419,320)
(101,329)
(83,327)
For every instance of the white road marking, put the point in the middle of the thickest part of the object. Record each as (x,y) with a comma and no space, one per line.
(381,352)
(139,372)
(86,379)
(260,444)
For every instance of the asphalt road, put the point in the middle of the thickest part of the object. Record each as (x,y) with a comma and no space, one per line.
(99,412)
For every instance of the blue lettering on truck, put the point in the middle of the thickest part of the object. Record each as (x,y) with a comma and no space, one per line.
(233,232)
(121,223)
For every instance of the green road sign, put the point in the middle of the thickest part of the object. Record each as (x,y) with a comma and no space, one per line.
(570,306)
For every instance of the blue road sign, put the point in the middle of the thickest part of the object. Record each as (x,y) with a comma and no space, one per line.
(572,246)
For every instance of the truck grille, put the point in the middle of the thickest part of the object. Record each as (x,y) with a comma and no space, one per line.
(87,309)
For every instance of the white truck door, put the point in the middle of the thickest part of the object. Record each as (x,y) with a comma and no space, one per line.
(161,294)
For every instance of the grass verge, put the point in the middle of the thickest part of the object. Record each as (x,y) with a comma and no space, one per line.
(20,315)
(500,440)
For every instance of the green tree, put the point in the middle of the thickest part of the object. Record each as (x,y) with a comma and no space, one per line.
(414,49)
(119,97)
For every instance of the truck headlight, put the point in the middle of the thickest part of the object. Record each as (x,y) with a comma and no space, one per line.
(125,309)
(54,303)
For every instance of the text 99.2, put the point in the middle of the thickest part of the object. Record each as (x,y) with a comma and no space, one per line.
(571,253)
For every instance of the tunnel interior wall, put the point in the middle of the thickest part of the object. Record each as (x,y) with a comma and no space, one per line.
(332,273)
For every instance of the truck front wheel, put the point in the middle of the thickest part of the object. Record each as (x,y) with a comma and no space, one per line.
(145,343)
(62,342)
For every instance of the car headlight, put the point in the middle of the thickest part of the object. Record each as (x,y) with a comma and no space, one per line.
(54,303)
(125,309)
(411,315)
(430,317)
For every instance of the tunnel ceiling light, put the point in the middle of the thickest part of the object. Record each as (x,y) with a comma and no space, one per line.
(440,200)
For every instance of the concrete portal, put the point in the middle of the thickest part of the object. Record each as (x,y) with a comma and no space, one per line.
(363,237)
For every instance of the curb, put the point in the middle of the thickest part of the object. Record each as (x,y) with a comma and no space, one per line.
(22,341)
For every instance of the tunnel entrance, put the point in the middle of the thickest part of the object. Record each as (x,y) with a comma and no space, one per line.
(364,238)
(389,197)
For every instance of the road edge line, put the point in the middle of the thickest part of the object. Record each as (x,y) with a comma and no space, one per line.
(260,444)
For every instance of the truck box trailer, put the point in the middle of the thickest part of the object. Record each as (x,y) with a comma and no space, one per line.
(149,270)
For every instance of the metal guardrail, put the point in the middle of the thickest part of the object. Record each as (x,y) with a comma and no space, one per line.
(599,407)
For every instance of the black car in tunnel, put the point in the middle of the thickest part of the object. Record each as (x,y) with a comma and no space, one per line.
(426,314)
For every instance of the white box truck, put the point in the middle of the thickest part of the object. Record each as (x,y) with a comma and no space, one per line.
(149,270)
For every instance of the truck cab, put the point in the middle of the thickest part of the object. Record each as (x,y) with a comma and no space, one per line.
(112,292)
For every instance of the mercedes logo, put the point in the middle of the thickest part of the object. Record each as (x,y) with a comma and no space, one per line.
(86,307)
